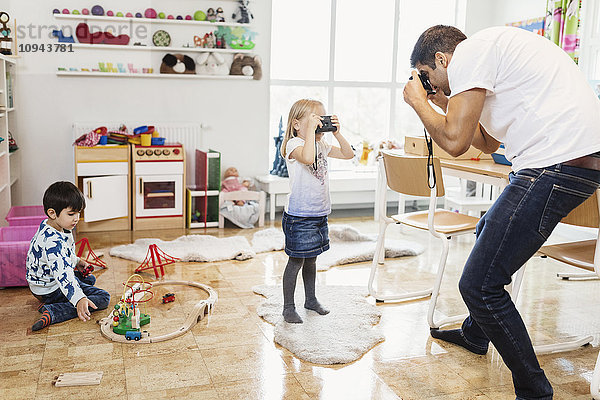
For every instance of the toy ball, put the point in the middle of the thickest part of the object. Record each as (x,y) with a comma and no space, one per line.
(97,10)
(119,14)
(200,16)
(115,318)
(129,15)
(65,11)
(170,17)
(138,15)
(188,17)
(115,323)
(85,11)
(179,17)
(110,13)
(162,15)
(56,11)
(150,13)
(75,12)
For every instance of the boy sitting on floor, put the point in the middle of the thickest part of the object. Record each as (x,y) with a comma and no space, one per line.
(53,270)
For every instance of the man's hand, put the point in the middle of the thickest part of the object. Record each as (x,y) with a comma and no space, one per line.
(414,93)
(83,312)
(440,100)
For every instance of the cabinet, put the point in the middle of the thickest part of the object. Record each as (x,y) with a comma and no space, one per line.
(102,174)
(141,31)
(203,198)
(9,161)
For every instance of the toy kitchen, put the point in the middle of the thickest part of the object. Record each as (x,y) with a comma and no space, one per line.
(131,186)
(158,177)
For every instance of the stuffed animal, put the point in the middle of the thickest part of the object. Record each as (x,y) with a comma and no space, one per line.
(219,15)
(211,64)
(243,14)
(177,64)
(246,65)
(210,15)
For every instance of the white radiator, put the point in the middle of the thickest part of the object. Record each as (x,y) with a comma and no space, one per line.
(187,133)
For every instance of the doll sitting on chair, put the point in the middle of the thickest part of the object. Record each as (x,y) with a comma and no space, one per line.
(242,213)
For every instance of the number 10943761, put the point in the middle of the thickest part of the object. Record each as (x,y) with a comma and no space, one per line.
(46,48)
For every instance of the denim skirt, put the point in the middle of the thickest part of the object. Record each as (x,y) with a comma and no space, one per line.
(305,237)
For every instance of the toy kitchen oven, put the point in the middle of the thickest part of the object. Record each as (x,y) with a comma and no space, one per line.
(158,185)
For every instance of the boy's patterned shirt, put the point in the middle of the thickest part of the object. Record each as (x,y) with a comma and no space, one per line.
(50,263)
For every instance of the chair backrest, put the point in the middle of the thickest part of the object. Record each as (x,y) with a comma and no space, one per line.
(407,174)
(586,214)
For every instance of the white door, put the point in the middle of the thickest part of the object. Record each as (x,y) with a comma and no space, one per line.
(105,198)
(159,195)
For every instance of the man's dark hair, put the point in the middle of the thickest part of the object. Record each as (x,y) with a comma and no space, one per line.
(442,38)
(61,195)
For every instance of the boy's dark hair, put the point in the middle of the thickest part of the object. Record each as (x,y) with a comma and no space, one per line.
(61,195)
(442,38)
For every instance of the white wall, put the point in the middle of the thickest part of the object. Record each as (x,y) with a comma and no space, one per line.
(234,112)
(482,14)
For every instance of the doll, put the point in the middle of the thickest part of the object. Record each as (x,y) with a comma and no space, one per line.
(231,183)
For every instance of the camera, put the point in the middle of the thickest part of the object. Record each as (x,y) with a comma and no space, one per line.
(426,84)
(327,125)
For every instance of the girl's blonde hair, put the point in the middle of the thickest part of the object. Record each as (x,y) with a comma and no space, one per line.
(298,110)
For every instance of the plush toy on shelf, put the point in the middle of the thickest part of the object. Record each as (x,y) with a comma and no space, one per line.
(211,15)
(243,14)
(177,64)
(211,64)
(246,65)
(220,15)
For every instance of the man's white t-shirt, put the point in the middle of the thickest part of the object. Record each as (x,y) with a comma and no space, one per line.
(538,102)
(309,186)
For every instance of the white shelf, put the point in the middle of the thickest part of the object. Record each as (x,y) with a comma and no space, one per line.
(147,20)
(2,114)
(13,180)
(214,224)
(3,152)
(157,48)
(156,76)
(10,109)
(199,193)
(3,187)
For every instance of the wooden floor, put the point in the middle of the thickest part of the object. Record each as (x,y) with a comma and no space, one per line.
(232,355)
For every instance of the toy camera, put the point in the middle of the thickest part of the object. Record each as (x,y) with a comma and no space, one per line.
(426,84)
(327,125)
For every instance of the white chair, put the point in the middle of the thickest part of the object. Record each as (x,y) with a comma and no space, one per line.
(244,195)
(407,174)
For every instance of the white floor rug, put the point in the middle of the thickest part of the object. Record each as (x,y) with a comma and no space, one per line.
(347,246)
(342,336)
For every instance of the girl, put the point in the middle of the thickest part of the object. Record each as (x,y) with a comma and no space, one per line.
(305,218)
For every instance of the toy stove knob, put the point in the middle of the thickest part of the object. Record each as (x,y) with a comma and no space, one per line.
(149,152)
(166,152)
(140,152)
(157,152)
(175,151)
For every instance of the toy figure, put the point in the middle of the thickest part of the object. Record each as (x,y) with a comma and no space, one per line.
(243,14)
(219,16)
(231,183)
(210,15)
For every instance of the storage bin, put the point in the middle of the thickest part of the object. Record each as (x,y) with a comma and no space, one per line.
(14,244)
(25,215)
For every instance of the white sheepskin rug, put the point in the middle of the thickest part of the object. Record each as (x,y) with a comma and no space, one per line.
(347,245)
(342,336)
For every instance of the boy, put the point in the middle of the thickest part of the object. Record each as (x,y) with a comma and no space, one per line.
(53,270)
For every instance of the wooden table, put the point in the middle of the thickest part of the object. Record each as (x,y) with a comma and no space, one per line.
(484,171)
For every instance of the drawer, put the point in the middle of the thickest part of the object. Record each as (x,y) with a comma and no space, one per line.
(102,168)
(102,153)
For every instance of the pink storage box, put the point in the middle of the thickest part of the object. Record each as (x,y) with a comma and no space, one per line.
(14,244)
(25,215)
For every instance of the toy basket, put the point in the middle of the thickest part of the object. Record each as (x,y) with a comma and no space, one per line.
(25,215)
(14,244)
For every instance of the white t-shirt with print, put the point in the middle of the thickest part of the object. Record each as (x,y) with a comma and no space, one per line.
(538,102)
(309,187)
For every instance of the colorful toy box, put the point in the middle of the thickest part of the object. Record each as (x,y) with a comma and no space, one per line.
(14,244)
(26,216)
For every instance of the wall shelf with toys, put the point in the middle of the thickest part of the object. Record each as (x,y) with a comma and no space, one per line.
(149,75)
(148,20)
(154,48)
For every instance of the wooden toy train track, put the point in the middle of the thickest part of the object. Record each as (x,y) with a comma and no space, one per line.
(202,308)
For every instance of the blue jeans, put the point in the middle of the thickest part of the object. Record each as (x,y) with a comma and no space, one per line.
(61,309)
(510,233)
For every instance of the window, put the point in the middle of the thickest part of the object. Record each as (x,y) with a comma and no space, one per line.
(354,59)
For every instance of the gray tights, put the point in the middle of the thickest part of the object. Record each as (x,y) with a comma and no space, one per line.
(309,274)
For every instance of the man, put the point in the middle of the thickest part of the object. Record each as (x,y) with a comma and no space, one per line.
(508,85)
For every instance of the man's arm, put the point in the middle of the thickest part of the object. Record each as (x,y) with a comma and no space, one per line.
(459,128)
